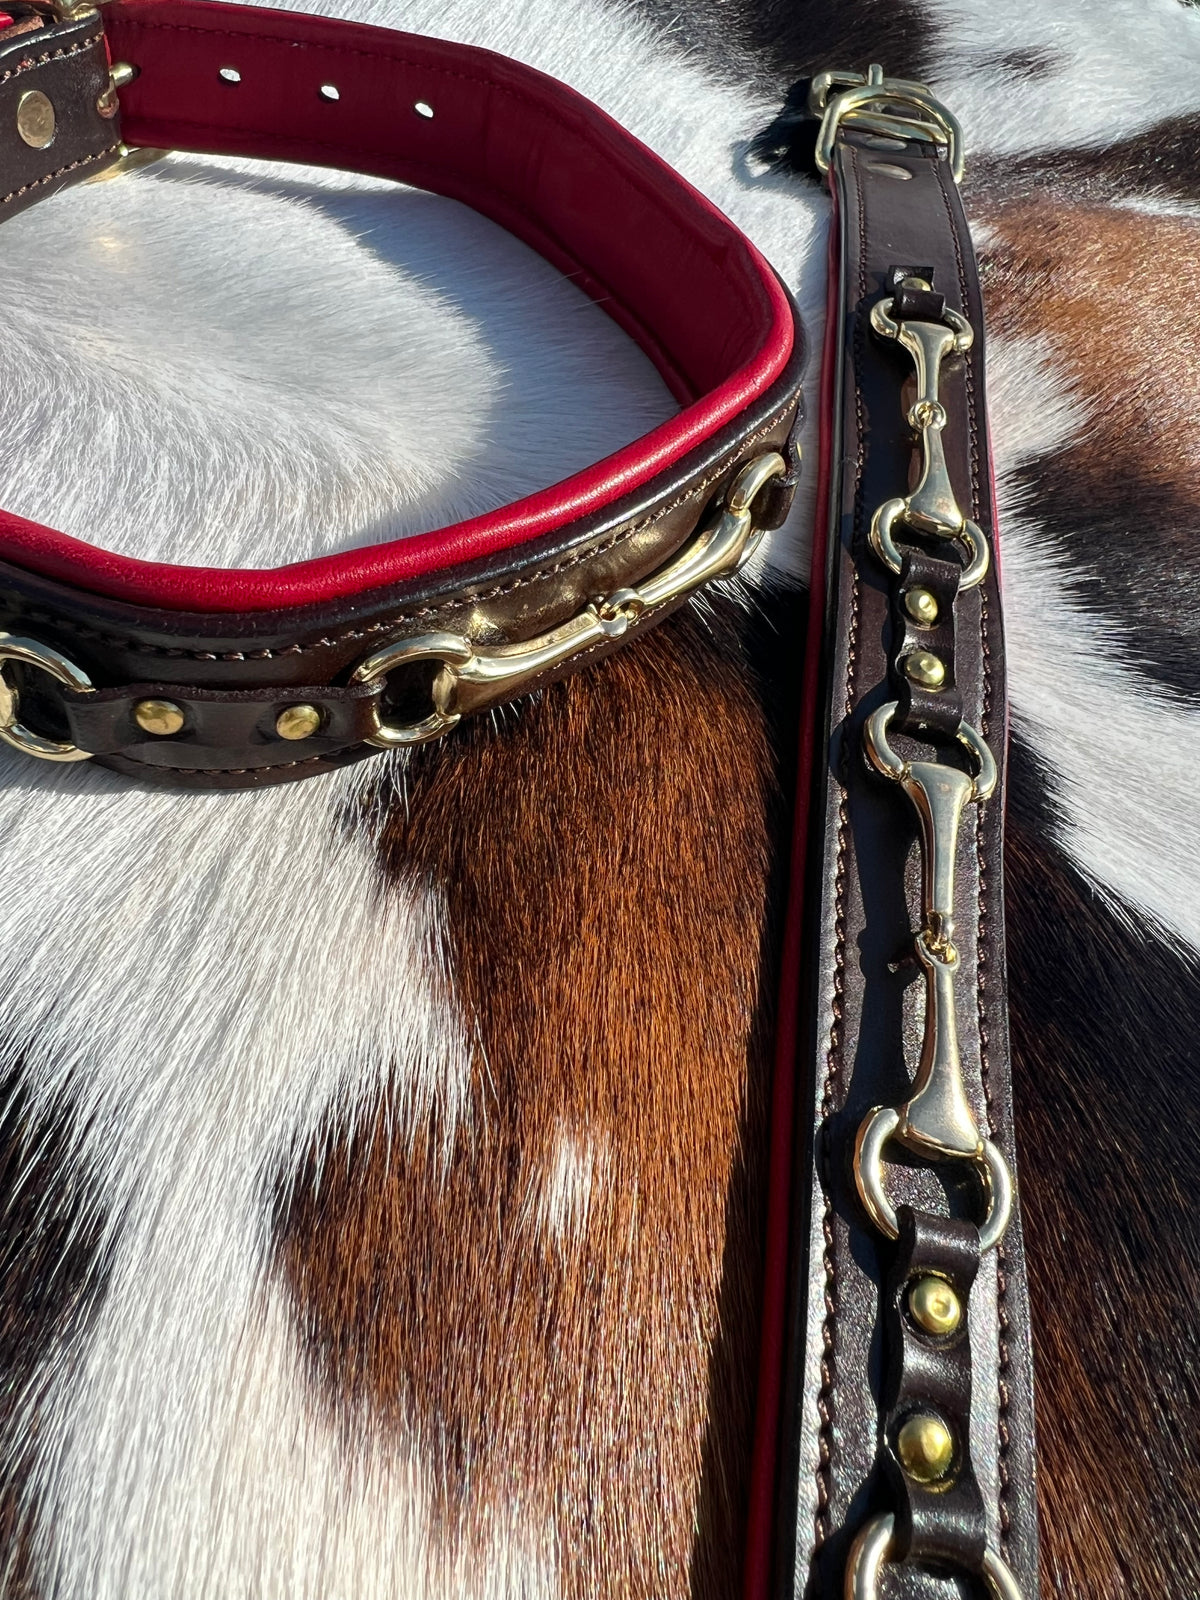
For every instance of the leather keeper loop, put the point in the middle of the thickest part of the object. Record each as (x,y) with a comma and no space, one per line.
(926,1375)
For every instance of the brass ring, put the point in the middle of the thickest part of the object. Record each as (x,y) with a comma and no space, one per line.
(451,650)
(872,1550)
(882,1125)
(753,478)
(885,324)
(971,535)
(889,765)
(14,732)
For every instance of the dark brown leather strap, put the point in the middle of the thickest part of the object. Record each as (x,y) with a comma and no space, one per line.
(57,125)
(926,638)
(231,675)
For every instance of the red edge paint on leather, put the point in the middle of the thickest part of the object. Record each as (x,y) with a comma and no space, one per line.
(760,1521)
(608,210)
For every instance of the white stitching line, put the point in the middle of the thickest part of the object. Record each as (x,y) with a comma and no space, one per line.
(73,166)
(63,53)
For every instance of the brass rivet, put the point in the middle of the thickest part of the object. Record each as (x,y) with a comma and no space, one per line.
(925,669)
(925,1446)
(921,606)
(35,119)
(297,722)
(935,1305)
(161,717)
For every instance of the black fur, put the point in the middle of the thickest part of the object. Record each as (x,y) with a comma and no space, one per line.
(774,42)
(1129,546)
(1104,1026)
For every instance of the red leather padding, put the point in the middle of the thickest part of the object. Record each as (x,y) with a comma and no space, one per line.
(514,144)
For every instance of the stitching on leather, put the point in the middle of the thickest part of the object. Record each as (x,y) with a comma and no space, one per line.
(374,55)
(385,625)
(829,1374)
(223,772)
(1003,1352)
(63,53)
(73,166)
(973,420)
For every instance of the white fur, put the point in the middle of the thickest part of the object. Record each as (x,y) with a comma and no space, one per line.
(233,363)
(566,1196)
(1120,755)
(227,364)
(1112,70)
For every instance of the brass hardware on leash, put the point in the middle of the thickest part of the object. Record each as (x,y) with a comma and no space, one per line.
(936,1122)
(871,101)
(872,1551)
(932,507)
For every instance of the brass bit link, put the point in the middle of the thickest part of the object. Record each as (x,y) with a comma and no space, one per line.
(936,1122)
(932,507)
(473,676)
(873,1550)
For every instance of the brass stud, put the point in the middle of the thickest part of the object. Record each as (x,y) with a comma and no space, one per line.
(935,1306)
(925,1446)
(35,119)
(297,722)
(925,669)
(160,717)
(921,606)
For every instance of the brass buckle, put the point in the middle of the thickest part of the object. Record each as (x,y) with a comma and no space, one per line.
(892,107)
(120,73)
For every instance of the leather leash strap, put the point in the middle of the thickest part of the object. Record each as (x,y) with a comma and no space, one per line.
(910,1412)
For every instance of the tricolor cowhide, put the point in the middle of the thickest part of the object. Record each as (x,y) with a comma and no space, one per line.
(381,1157)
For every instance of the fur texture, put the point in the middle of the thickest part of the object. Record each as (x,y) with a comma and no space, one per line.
(379,1193)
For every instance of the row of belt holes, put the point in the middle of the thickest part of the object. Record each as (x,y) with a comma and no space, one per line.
(327,91)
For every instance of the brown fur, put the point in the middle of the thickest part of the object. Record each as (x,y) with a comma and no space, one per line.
(1104,1031)
(605,856)
(1103,287)
(1102,1047)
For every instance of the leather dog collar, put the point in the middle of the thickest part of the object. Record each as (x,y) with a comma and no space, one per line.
(217,678)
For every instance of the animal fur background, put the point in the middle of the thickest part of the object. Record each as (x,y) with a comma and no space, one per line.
(382,1155)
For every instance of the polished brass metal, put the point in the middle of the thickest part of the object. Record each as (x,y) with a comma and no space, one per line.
(936,1122)
(935,1306)
(932,507)
(297,722)
(921,606)
(473,676)
(35,654)
(120,74)
(925,669)
(939,794)
(159,717)
(883,542)
(35,119)
(882,1125)
(893,107)
(874,1547)
(925,1447)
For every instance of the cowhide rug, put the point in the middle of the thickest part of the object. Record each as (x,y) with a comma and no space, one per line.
(382,1155)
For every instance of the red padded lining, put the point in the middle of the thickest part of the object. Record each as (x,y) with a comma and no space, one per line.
(516,145)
